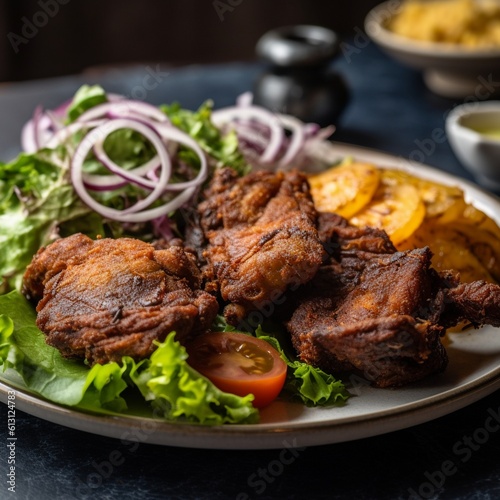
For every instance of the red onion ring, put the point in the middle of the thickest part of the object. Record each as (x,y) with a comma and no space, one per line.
(98,134)
(170,133)
(167,133)
(228,116)
(262,133)
(296,142)
(121,177)
(37,131)
(123,109)
(157,136)
(65,133)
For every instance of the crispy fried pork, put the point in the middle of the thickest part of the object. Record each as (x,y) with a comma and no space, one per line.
(104,299)
(52,260)
(358,306)
(376,311)
(261,237)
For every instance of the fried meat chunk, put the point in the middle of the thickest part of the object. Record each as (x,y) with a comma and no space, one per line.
(105,299)
(381,313)
(51,260)
(261,237)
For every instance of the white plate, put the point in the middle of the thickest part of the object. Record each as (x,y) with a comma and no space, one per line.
(473,372)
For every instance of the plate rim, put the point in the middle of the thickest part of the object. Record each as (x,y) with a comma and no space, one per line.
(275,435)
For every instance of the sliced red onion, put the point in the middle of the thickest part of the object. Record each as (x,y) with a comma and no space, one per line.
(244,99)
(162,228)
(311,129)
(230,115)
(122,177)
(56,121)
(324,133)
(296,127)
(28,137)
(62,135)
(37,131)
(137,212)
(102,183)
(139,175)
(99,134)
(123,109)
(170,133)
(115,97)
(262,133)
(251,136)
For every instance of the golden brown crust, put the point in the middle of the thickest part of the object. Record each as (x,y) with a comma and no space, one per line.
(381,313)
(262,237)
(114,298)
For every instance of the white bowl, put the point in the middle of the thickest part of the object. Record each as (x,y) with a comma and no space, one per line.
(477,152)
(449,70)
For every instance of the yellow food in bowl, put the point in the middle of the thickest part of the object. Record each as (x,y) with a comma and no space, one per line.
(471,23)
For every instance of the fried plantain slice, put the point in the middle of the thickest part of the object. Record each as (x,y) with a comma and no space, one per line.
(451,248)
(344,189)
(396,207)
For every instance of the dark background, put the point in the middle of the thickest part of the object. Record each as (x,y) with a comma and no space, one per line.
(45,38)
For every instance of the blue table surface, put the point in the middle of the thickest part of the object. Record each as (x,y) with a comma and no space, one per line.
(390,110)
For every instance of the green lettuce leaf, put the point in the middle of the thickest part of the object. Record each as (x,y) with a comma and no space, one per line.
(222,148)
(36,199)
(86,97)
(128,148)
(170,388)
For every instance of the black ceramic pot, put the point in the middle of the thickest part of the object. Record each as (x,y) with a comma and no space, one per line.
(299,79)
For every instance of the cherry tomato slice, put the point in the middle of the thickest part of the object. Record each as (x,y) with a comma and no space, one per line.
(239,364)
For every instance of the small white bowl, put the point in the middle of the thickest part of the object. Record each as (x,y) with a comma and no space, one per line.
(449,70)
(479,153)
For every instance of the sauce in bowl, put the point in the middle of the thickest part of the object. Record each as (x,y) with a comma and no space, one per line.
(489,132)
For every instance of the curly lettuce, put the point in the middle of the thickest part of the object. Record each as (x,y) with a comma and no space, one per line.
(36,199)
(42,369)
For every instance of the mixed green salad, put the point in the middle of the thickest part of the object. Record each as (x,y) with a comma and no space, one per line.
(93,166)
